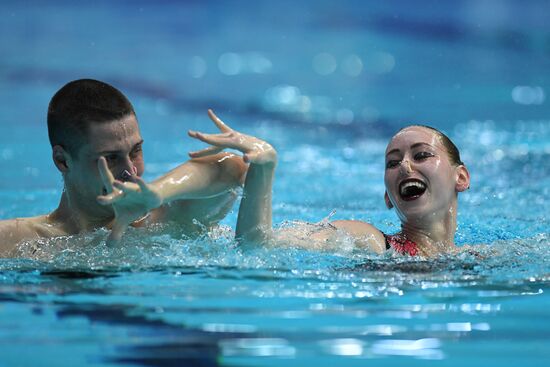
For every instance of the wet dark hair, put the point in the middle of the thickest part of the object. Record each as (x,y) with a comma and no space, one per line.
(80,103)
(452,150)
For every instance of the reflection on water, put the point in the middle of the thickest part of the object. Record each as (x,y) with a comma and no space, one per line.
(278,302)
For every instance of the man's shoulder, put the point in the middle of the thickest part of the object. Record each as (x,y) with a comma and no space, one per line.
(16,230)
(16,224)
(39,226)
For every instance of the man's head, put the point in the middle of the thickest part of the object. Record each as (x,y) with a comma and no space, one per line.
(88,119)
(78,105)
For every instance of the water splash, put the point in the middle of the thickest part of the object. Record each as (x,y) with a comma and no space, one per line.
(505,262)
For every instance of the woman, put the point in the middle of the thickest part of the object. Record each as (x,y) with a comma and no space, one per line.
(423,177)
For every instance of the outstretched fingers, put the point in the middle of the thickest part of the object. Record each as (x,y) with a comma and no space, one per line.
(219,123)
(205,152)
(111,195)
(198,135)
(118,191)
(109,198)
(126,187)
(227,138)
(142,184)
(106,176)
(223,140)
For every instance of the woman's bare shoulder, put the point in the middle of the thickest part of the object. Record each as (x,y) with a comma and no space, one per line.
(357,227)
(366,234)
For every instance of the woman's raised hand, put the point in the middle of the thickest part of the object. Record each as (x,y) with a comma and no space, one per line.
(254,150)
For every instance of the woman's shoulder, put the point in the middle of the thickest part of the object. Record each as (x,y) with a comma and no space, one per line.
(365,233)
(357,227)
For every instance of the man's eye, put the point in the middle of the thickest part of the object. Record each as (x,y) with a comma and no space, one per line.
(111,158)
(392,163)
(422,155)
(136,152)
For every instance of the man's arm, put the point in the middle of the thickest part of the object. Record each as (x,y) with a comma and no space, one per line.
(206,196)
(201,177)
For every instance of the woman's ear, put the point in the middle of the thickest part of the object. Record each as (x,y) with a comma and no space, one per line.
(387,200)
(61,158)
(462,178)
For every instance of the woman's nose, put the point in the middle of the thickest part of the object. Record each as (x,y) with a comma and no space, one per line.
(406,164)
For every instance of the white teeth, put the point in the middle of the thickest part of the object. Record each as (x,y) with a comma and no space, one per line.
(406,185)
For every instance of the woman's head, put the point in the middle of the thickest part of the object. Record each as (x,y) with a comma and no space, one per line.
(452,150)
(423,173)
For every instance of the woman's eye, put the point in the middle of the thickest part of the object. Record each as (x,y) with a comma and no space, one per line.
(392,164)
(422,155)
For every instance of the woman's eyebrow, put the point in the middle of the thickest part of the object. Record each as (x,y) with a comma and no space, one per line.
(392,151)
(416,145)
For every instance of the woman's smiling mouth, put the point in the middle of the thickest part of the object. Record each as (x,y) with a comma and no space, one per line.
(411,189)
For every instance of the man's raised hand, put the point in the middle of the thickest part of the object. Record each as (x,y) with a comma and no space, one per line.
(130,200)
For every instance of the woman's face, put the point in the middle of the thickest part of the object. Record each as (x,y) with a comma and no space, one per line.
(421,183)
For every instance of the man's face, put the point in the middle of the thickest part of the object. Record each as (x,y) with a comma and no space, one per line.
(120,142)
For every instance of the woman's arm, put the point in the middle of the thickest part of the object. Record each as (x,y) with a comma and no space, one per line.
(254,221)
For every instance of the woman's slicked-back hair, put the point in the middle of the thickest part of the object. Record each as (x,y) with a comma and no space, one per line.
(452,150)
(81,103)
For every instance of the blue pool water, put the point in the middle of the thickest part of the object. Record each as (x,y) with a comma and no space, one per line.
(327,85)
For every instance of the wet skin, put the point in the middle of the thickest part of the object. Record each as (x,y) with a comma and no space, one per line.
(120,142)
(421,183)
(103,188)
(416,154)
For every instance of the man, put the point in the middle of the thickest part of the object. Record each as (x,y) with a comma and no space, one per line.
(97,147)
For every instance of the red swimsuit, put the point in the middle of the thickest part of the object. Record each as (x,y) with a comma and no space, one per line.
(401,244)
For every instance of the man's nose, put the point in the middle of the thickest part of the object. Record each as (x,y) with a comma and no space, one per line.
(127,171)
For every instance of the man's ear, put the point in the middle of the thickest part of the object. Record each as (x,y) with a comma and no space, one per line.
(462,178)
(61,158)
(387,200)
